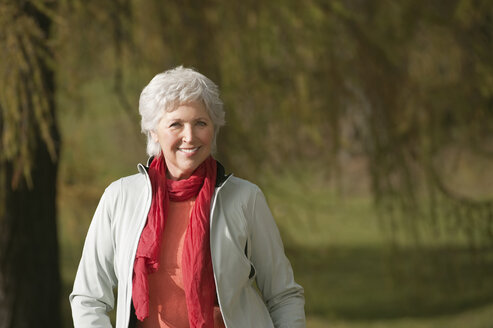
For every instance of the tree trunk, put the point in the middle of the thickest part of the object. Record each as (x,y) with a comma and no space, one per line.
(29,271)
(29,265)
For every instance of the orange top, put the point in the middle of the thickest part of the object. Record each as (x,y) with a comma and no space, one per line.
(167,303)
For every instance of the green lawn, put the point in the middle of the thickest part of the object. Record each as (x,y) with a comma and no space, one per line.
(478,318)
(352,275)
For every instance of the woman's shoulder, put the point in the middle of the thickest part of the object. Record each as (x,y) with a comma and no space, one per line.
(240,189)
(132,184)
(241,184)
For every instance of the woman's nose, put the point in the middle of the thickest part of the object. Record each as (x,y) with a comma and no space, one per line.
(187,135)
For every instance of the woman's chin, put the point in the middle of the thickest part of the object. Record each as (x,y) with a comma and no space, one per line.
(183,171)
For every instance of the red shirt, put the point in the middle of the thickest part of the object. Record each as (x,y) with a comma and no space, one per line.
(167,303)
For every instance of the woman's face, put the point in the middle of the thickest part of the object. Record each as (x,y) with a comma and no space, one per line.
(185,136)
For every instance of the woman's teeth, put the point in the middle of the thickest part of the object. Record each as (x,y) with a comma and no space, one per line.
(189,150)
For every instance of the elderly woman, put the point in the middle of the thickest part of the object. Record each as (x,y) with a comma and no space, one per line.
(184,243)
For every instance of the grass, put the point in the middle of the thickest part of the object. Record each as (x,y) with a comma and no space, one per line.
(352,275)
(478,318)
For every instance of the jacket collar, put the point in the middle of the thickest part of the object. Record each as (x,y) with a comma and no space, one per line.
(221,176)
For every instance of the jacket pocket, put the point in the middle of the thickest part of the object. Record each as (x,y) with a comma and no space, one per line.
(252,273)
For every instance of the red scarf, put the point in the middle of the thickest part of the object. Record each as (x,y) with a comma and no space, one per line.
(198,277)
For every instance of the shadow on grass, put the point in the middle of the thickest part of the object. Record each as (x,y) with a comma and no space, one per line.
(377,283)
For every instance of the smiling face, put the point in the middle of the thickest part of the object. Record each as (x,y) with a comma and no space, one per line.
(185,135)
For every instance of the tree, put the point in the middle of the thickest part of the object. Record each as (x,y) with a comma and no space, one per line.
(30,142)
(424,79)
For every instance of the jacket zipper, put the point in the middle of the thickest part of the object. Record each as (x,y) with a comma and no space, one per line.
(136,243)
(216,193)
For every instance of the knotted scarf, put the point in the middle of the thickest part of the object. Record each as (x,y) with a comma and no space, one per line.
(198,277)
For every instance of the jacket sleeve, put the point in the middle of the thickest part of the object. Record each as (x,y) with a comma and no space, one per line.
(283,297)
(92,296)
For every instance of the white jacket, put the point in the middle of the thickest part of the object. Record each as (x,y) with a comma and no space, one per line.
(245,246)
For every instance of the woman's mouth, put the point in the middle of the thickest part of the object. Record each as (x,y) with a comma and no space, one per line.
(189,150)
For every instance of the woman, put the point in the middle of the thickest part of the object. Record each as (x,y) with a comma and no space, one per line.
(183,242)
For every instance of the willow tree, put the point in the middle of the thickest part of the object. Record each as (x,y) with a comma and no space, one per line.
(29,267)
(421,78)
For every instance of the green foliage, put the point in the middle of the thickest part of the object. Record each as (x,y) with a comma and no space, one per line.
(421,82)
(25,98)
(403,84)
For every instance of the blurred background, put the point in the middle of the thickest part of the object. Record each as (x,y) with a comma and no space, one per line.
(367,124)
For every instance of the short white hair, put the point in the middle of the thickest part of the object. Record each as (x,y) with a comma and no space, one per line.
(172,88)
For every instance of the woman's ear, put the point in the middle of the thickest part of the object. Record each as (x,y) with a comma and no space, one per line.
(154,136)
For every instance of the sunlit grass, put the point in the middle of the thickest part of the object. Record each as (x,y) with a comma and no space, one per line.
(477,318)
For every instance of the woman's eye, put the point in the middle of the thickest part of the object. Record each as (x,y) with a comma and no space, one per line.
(201,123)
(174,125)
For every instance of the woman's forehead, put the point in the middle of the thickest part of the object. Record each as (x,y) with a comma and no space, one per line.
(187,109)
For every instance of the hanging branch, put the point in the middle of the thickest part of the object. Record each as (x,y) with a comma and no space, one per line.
(24,95)
(400,143)
(121,19)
